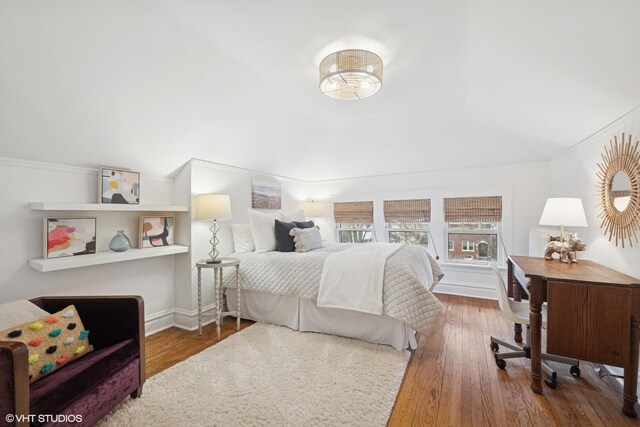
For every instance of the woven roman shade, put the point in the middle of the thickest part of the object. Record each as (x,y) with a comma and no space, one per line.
(417,210)
(473,209)
(354,212)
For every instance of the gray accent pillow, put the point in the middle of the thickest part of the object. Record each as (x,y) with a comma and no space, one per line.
(284,241)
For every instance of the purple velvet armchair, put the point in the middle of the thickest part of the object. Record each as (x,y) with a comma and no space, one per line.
(89,387)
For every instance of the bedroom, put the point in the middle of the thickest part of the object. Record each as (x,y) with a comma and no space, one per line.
(495,98)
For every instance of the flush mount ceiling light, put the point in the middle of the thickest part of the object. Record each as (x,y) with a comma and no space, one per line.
(351,74)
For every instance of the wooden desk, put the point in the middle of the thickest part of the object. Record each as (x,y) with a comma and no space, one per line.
(593,315)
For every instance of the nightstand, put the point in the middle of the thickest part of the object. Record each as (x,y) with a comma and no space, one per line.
(217,289)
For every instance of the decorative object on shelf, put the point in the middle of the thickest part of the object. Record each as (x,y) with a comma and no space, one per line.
(120,242)
(313,209)
(266,194)
(563,211)
(213,207)
(619,176)
(567,250)
(351,74)
(156,231)
(119,186)
(65,237)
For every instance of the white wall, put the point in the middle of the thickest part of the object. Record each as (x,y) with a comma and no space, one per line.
(22,236)
(524,188)
(574,175)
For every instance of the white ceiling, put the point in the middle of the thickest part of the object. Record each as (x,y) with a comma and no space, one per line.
(149,84)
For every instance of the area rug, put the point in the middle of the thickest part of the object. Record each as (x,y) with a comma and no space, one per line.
(272,375)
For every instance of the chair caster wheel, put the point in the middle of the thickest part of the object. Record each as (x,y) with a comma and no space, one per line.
(551,383)
(494,346)
(500,363)
(575,371)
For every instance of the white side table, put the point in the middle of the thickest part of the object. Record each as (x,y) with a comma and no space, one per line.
(217,289)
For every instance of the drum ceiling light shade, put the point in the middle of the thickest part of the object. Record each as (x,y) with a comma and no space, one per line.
(351,74)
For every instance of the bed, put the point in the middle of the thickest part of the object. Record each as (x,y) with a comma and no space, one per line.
(282,288)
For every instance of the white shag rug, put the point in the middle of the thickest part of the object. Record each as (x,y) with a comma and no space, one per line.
(272,375)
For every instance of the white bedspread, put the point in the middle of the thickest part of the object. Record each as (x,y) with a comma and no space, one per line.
(353,279)
(409,276)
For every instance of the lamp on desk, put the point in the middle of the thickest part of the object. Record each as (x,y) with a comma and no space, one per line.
(213,207)
(563,211)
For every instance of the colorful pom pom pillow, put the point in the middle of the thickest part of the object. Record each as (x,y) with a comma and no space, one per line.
(53,341)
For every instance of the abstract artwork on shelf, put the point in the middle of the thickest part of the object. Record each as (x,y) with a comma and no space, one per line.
(265,194)
(119,186)
(65,237)
(156,231)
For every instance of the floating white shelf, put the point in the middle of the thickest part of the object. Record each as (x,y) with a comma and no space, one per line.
(105,257)
(97,207)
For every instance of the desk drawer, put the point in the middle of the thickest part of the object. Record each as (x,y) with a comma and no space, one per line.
(589,322)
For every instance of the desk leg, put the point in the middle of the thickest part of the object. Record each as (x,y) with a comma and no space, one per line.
(535,318)
(199,301)
(631,373)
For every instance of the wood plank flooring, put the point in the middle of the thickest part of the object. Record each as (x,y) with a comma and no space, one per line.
(452,379)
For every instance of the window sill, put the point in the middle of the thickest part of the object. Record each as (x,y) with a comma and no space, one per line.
(460,266)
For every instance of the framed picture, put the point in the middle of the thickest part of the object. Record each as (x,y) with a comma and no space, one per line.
(119,186)
(156,231)
(265,194)
(65,237)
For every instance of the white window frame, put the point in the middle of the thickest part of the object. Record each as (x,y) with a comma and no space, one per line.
(466,244)
(452,246)
(338,229)
(497,230)
(389,229)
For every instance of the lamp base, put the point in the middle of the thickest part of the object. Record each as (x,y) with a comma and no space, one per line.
(214,261)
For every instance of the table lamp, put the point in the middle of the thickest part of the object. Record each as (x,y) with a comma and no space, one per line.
(312,209)
(563,211)
(213,207)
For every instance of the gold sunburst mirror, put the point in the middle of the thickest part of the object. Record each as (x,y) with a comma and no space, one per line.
(619,186)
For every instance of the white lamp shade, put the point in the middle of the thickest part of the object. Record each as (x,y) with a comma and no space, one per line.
(313,209)
(211,207)
(564,211)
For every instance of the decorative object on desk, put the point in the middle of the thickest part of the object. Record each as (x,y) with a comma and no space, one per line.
(69,237)
(213,207)
(619,176)
(156,231)
(563,211)
(266,194)
(120,242)
(567,250)
(119,186)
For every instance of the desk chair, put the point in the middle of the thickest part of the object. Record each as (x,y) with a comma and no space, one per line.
(518,312)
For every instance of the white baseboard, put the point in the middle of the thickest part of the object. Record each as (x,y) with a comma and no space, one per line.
(465,290)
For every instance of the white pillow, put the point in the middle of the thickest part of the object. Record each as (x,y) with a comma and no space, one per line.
(306,239)
(295,216)
(18,312)
(263,230)
(242,238)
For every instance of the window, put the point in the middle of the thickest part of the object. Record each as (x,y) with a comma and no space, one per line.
(473,225)
(354,221)
(407,221)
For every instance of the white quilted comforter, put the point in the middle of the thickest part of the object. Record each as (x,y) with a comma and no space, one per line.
(409,276)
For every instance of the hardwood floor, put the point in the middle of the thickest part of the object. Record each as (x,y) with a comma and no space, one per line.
(452,379)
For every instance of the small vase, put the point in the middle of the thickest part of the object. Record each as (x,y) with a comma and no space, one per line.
(120,242)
